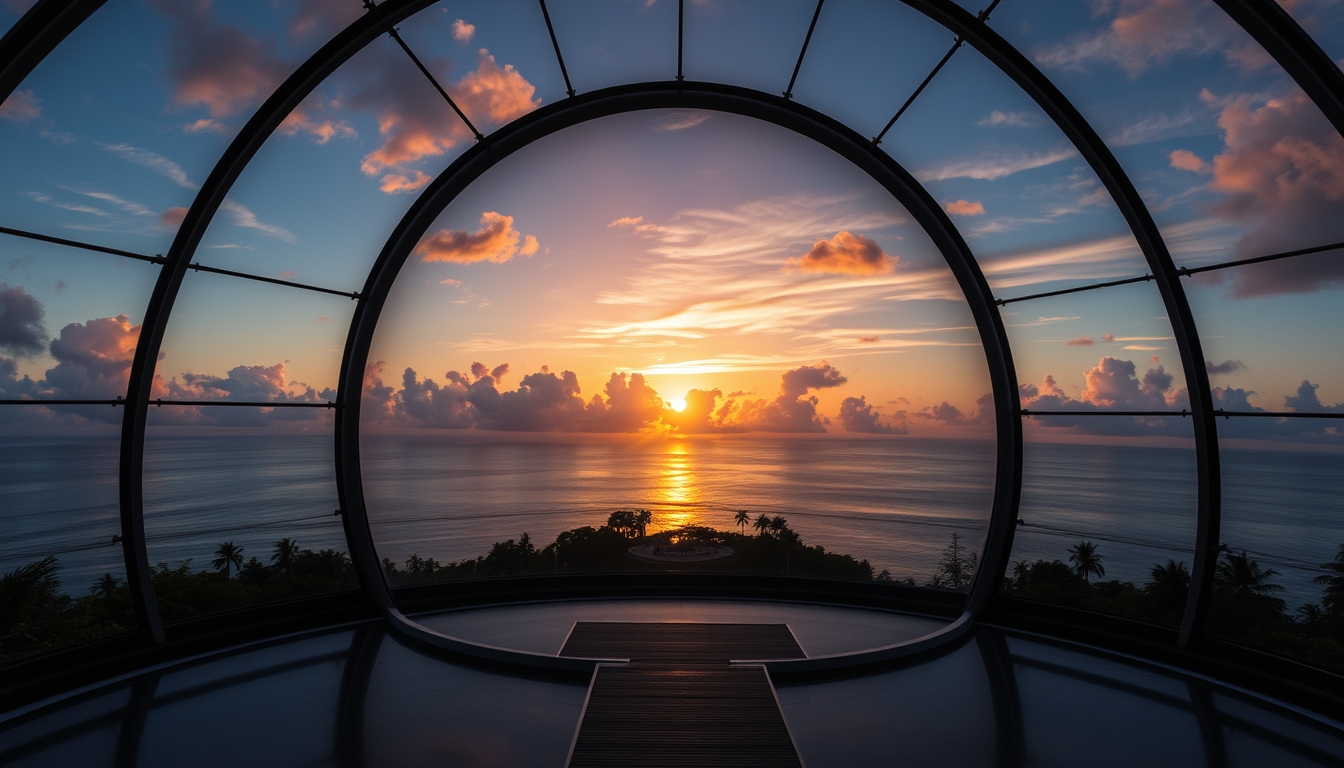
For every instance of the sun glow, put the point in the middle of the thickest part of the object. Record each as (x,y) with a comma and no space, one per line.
(678,404)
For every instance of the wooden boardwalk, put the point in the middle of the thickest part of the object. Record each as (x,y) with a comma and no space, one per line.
(679,703)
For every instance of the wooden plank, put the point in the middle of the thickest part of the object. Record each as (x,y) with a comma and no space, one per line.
(667,642)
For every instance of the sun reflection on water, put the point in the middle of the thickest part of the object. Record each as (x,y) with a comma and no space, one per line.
(677,488)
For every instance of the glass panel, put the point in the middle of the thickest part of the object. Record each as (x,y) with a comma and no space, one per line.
(1323,20)
(753,44)
(1283,529)
(1111,348)
(866,59)
(612,42)
(847,398)
(1250,321)
(1230,155)
(241,513)
(112,133)
(61,568)
(322,195)
(1107,518)
(1035,214)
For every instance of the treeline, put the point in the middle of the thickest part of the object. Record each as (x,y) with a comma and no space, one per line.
(36,614)
(774,548)
(1245,606)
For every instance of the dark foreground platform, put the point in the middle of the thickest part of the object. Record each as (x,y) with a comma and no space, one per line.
(356,696)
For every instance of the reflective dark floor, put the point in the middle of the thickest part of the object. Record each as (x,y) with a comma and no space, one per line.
(360,697)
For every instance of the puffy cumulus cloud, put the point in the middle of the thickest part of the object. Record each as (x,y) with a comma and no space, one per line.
(1282,174)
(1148,33)
(21,329)
(846,254)
(856,415)
(1185,160)
(218,66)
(93,360)
(793,410)
(1224,368)
(947,413)
(462,31)
(1111,385)
(313,117)
(415,127)
(1304,400)
(1114,383)
(1307,401)
(21,107)
(496,241)
(243,383)
(965,208)
(394,183)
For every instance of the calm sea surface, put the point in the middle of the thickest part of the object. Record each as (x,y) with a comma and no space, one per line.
(895,502)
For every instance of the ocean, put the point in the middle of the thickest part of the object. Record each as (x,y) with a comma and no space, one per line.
(450,495)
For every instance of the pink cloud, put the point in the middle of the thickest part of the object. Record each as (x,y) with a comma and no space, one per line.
(869,339)
(172,218)
(1185,160)
(1282,172)
(462,31)
(965,208)
(218,66)
(496,241)
(400,182)
(416,126)
(93,359)
(846,254)
(323,17)
(21,107)
(312,117)
(1081,341)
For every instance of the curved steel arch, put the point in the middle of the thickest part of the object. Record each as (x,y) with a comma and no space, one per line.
(680,95)
(1140,220)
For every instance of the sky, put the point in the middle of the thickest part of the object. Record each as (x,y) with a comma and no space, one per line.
(603,275)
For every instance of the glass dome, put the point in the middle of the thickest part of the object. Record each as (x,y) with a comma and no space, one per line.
(1012,317)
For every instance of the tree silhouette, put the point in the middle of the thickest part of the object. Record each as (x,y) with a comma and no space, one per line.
(641,522)
(226,557)
(779,525)
(1169,586)
(1333,579)
(956,566)
(1244,583)
(105,586)
(1086,561)
(762,524)
(742,518)
(286,550)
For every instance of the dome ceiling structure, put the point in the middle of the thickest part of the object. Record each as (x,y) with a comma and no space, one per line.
(1110,226)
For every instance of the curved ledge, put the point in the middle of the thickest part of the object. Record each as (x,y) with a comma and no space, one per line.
(522,661)
(845,661)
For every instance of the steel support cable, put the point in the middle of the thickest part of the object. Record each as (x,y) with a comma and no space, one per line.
(203,208)
(972,29)
(681,8)
(788,92)
(434,81)
(555,43)
(196,267)
(83,246)
(982,17)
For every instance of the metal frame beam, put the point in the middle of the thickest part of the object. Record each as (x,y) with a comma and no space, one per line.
(1089,143)
(35,35)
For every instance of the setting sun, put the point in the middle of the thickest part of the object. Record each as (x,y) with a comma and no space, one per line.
(678,404)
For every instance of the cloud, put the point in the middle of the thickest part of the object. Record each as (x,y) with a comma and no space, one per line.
(1282,174)
(312,117)
(1307,401)
(47,200)
(323,18)
(21,107)
(1148,33)
(681,120)
(1081,341)
(172,218)
(153,161)
(206,125)
(128,206)
(218,66)
(793,410)
(496,241)
(93,359)
(846,254)
(415,126)
(1224,368)
(1185,160)
(964,208)
(856,415)
(394,183)
(947,413)
(638,224)
(995,166)
(1017,119)
(451,281)
(21,329)
(244,383)
(1158,127)
(241,216)
(462,31)
(869,339)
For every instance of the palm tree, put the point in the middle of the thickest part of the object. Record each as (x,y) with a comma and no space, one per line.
(1243,580)
(762,524)
(286,550)
(778,524)
(1086,561)
(1169,587)
(228,555)
(1333,579)
(105,586)
(742,518)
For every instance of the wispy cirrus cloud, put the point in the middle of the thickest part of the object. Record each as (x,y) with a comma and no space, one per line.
(151,160)
(995,165)
(241,216)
